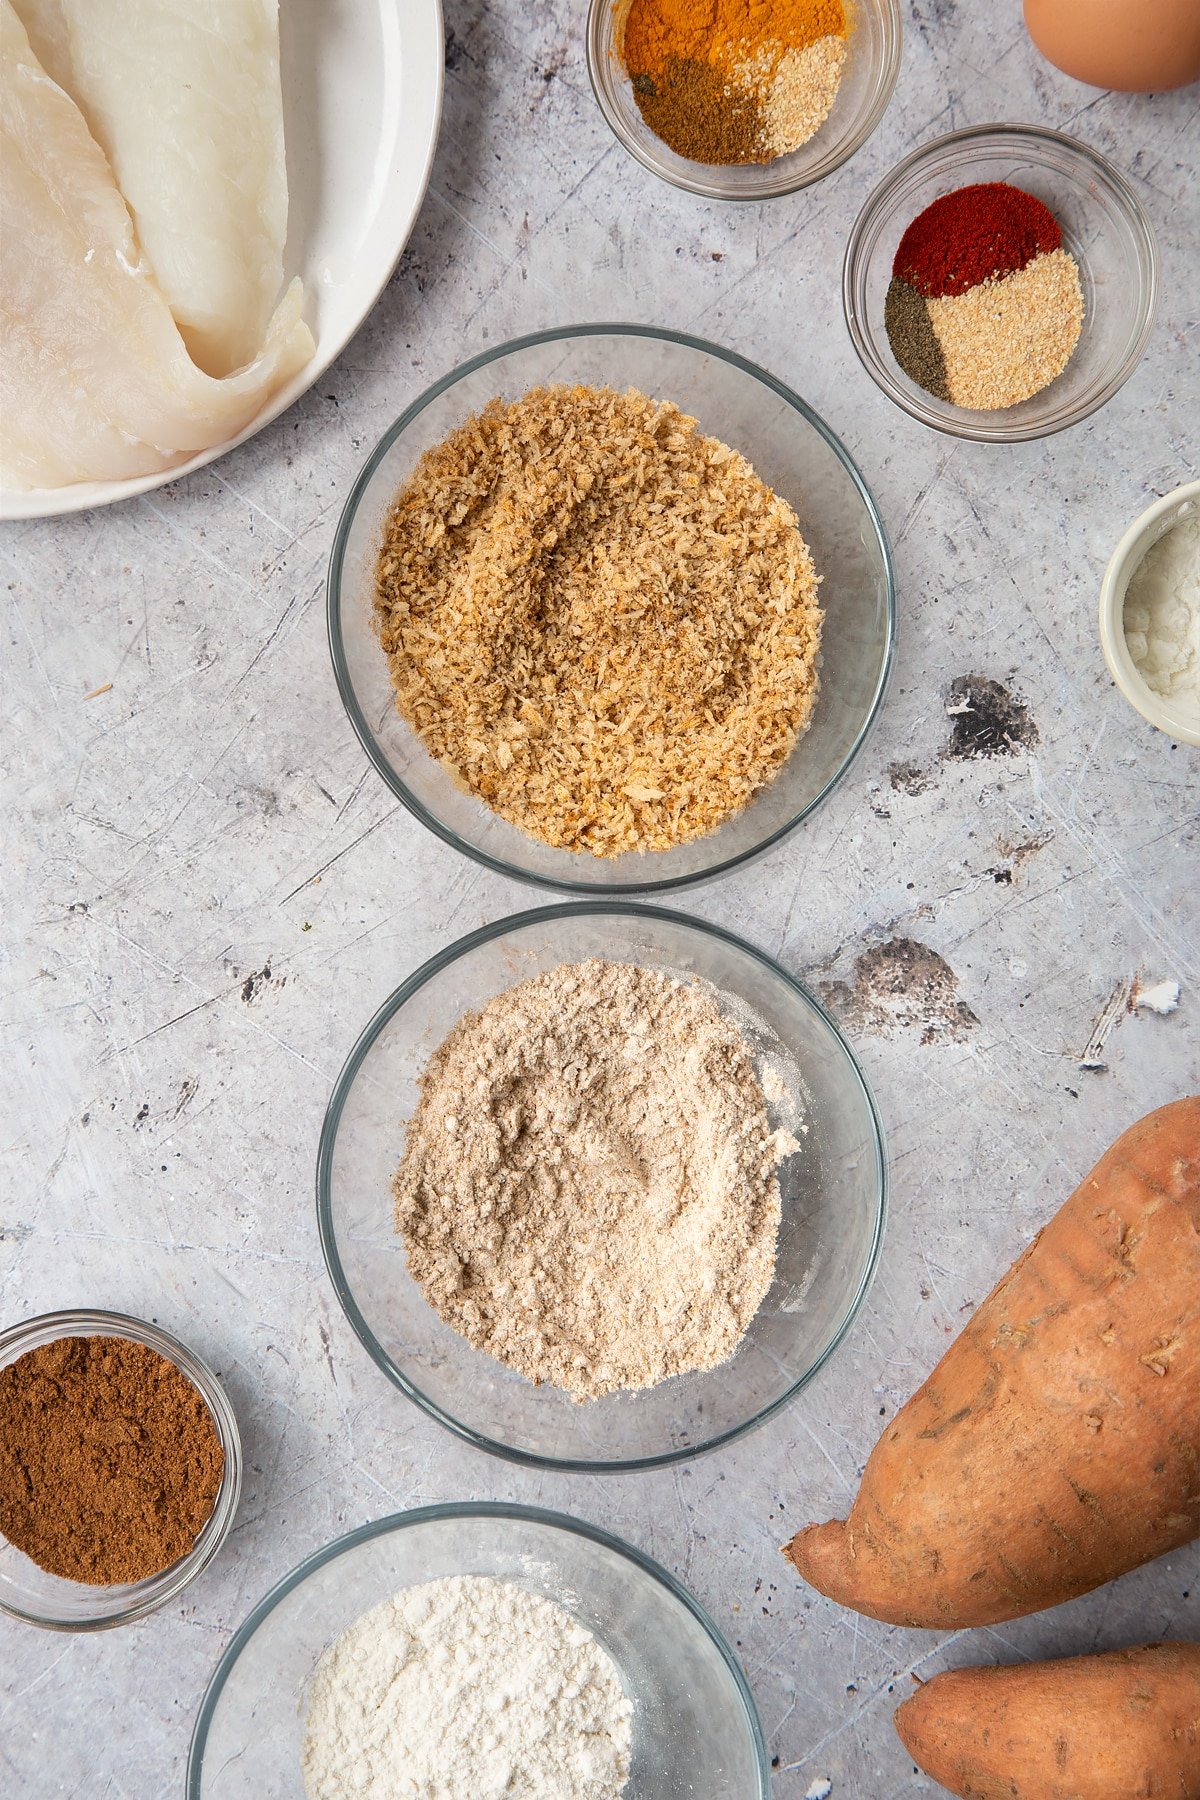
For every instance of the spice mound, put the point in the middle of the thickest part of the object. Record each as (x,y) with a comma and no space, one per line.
(984,308)
(734,81)
(467,1688)
(110,1461)
(1162,617)
(588,1189)
(601,621)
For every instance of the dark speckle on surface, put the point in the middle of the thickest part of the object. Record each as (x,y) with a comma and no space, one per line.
(902,985)
(910,777)
(252,983)
(988,719)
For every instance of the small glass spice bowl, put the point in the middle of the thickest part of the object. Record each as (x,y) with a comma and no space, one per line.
(1146,530)
(1103,227)
(868,81)
(34,1595)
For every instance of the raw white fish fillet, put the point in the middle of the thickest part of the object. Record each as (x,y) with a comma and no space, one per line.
(95,381)
(184,98)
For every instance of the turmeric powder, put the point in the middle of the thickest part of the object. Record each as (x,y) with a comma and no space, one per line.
(703,30)
(723,81)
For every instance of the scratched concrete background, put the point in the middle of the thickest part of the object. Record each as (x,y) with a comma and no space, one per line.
(206,893)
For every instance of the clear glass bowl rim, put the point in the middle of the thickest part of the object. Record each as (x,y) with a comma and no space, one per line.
(468,1509)
(88,1322)
(329,1130)
(882,193)
(366,736)
(770,189)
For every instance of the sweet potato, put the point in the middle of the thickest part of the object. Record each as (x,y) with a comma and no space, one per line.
(1057,1443)
(1119,1726)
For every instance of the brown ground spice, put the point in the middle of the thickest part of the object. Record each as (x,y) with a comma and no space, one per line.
(110,1462)
(599,619)
(691,108)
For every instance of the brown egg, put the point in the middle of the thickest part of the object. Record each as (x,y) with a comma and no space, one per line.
(1139,46)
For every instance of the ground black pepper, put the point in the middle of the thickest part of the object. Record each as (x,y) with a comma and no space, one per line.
(913,340)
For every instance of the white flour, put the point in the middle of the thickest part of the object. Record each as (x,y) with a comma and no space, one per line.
(467,1689)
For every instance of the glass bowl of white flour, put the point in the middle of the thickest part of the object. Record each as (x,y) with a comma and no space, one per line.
(480,1650)
(830,1204)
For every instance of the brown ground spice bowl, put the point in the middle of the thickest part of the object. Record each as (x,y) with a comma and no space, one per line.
(183,1473)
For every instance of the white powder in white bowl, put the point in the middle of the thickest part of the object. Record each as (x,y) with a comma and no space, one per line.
(467,1688)
(1162,617)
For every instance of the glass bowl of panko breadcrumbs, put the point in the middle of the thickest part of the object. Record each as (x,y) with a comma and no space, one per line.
(610,609)
(738,102)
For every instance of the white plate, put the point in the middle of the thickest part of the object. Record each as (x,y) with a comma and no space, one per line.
(362,97)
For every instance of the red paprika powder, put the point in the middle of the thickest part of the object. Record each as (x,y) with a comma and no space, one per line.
(975,234)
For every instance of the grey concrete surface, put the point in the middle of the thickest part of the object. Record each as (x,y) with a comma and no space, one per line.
(207,892)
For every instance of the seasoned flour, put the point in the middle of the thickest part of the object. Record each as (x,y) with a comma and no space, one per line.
(588,1189)
(467,1689)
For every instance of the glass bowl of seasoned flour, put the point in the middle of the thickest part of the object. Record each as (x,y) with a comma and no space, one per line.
(582,1667)
(585,1241)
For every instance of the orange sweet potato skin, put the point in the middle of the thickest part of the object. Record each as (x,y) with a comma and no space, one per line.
(1121,1726)
(1057,1443)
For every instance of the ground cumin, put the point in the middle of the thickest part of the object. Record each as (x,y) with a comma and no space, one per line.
(690,108)
(110,1461)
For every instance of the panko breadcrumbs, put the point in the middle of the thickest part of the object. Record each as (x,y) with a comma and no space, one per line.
(598,619)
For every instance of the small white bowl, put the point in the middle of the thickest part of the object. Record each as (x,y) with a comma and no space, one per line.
(1146,530)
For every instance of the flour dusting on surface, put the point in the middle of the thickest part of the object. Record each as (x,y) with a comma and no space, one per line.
(1160,997)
